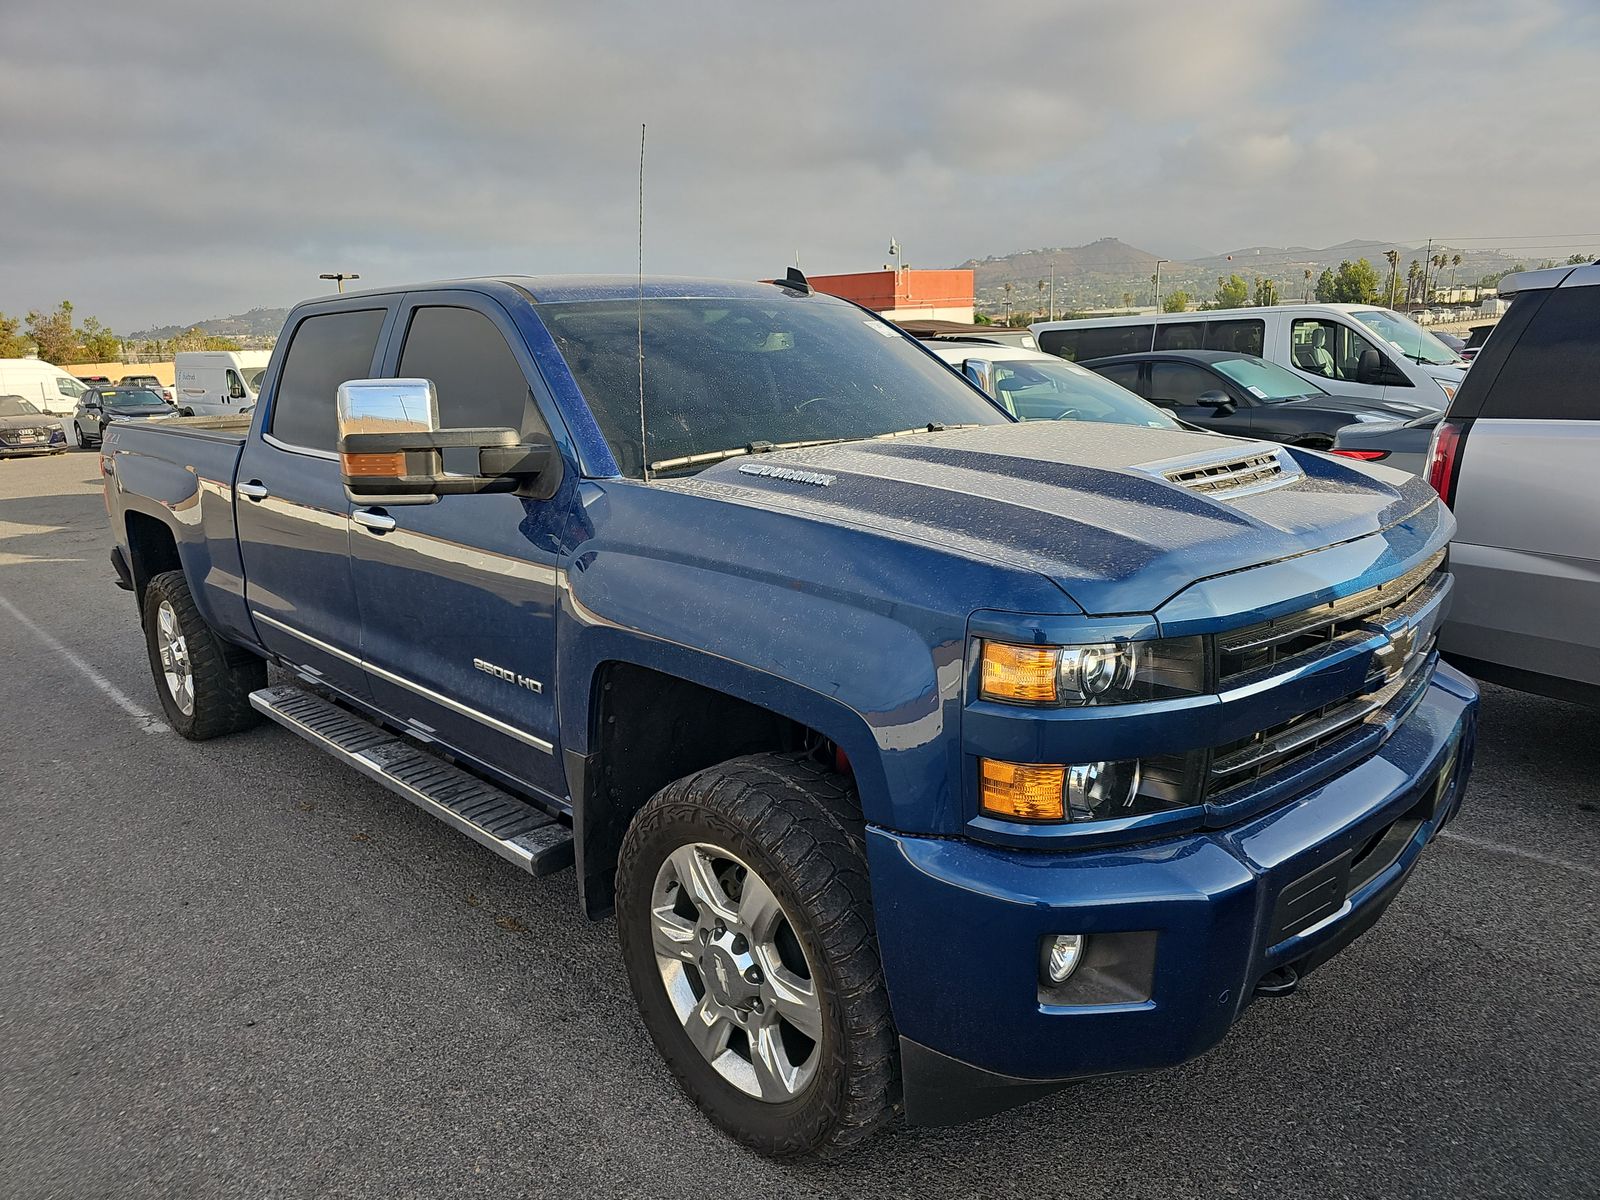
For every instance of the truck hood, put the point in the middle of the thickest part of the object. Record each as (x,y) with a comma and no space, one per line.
(1119,517)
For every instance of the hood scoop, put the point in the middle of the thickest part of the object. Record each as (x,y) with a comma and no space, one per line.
(1231,473)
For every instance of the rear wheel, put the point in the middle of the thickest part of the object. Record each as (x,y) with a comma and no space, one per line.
(746,928)
(204,683)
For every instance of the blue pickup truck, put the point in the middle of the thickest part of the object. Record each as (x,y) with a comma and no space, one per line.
(928,760)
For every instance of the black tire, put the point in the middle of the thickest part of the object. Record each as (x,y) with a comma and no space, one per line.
(77,432)
(223,675)
(798,825)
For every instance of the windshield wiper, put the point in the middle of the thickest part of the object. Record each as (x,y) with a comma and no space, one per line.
(716,456)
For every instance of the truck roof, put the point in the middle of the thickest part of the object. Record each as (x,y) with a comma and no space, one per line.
(565,289)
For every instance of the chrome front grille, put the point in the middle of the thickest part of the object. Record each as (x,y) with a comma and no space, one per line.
(1270,647)
(1229,475)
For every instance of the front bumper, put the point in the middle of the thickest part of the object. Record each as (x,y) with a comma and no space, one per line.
(56,443)
(960,924)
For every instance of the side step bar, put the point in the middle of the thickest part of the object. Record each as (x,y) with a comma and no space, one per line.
(518,832)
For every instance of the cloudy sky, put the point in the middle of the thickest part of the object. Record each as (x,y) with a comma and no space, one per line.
(166,161)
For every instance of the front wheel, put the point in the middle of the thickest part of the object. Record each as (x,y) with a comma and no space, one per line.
(77,433)
(204,683)
(746,928)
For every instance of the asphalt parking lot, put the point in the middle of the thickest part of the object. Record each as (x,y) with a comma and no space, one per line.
(237,969)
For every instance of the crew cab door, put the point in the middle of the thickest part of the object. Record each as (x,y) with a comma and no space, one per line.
(290,505)
(458,598)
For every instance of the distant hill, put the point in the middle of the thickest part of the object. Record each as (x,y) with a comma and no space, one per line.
(257,323)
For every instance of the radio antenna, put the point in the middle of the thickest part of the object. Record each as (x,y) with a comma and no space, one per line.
(644,448)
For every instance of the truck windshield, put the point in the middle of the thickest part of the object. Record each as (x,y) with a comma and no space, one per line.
(1406,336)
(1266,381)
(253,379)
(721,373)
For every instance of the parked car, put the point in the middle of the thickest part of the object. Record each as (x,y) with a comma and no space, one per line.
(26,430)
(1244,396)
(1034,386)
(218,382)
(928,759)
(1476,337)
(1518,458)
(45,386)
(1402,445)
(1449,339)
(998,335)
(151,382)
(101,406)
(92,380)
(1356,351)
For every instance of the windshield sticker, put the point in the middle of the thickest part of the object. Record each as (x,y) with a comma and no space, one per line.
(816,478)
(880,327)
(1256,392)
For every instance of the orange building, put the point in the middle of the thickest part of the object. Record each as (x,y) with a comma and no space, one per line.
(907,295)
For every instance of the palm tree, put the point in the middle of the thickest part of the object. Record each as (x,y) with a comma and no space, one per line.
(1043,287)
(1394,265)
(1308,285)
(1007,289)
(1455,262)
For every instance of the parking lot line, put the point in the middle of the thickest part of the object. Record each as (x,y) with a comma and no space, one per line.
(1518,852)
(147,721)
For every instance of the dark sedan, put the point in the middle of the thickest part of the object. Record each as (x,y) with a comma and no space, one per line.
(1401,444)
(26,430)
(1242,395)
(98,407)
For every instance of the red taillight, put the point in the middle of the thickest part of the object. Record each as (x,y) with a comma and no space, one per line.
(1364,455)
(1444,458)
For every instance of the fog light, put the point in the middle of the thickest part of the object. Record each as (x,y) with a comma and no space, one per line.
(1065,952)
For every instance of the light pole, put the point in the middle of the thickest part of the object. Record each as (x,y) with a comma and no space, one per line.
(1052,290)
(340,277)
(894,253)
(1159,261)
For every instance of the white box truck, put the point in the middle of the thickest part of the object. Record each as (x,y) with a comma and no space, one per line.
(218,382)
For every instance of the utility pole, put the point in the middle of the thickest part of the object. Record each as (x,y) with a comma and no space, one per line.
(1159,261)
(340,277)
(1052,290)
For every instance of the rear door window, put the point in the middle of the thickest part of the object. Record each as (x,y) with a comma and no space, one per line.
(1126,374)
(1103,341)
(327,349)
(1551,371)
(1241,337)
(1181,335)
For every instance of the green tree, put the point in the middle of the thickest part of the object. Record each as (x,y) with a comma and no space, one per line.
(1177,301)
(979,318)
(1232,292)
(1355,283)
(1325,287)
(52,332)
(195,338)
(13,343)
(99,343)
(1266,292)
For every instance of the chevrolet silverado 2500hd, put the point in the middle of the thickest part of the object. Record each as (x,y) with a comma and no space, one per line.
(927,759)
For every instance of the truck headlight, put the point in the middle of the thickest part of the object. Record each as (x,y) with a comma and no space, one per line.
(1113,672)
(1094,791)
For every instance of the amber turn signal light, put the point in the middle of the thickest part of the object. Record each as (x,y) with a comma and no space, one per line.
(1023,674)
(374,466)
(1021,791)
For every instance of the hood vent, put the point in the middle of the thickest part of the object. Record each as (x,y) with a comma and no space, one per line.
(1234,475)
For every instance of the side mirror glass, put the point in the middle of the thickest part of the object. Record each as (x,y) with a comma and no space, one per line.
(981,372)
(391,449)
(1218,399)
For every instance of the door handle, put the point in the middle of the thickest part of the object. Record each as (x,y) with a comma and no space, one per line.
(374,519)
(254,490)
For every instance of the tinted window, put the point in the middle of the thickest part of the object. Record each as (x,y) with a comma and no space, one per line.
(326,351)
(1104,341)
(1241,337)
(1551,371)
(479,381)
(1181,383)
(1123,374)
(1180,335)
(719,374)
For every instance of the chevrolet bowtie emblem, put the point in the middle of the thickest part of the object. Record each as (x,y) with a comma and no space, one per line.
(1394,654)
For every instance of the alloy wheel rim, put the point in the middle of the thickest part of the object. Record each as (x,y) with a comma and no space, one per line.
(176,669)
(735,973)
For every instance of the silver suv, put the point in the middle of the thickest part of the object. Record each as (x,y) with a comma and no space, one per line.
(1517,457)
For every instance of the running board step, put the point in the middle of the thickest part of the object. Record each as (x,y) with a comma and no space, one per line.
(519,832)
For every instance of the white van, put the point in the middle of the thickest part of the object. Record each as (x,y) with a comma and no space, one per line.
(47,387)
(218,382)
(1355,350)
